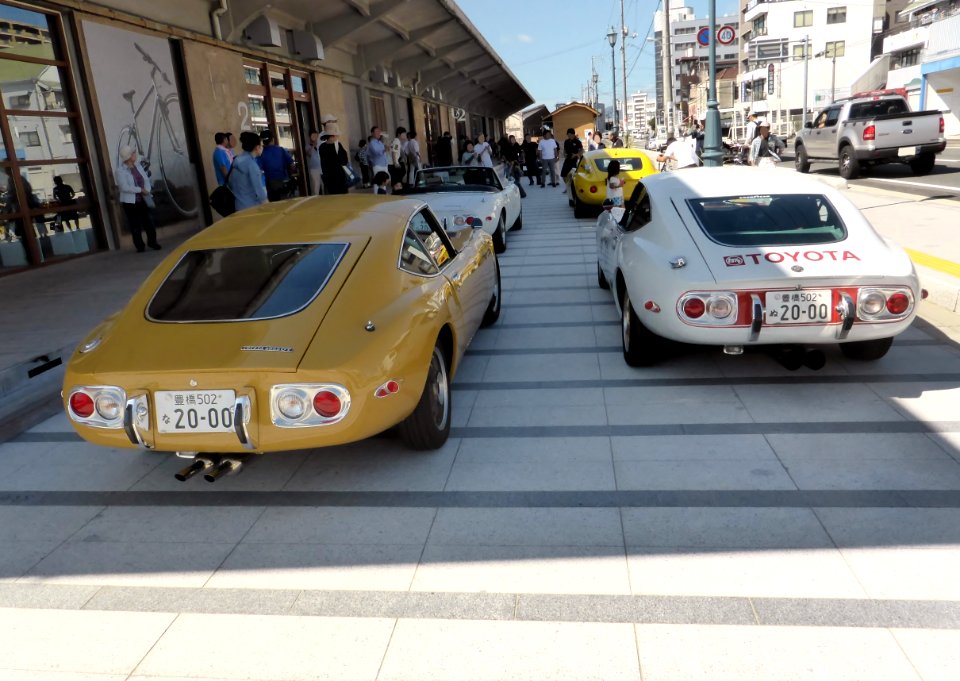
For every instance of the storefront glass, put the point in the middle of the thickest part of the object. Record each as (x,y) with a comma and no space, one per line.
(45,207)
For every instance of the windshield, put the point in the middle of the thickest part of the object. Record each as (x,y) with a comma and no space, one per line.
(625,163)
(769,220)
(244,283)
(457,177)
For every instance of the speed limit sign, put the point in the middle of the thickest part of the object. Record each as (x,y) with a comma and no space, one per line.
(726,35)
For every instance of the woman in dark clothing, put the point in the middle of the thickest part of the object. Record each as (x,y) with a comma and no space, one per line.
(333,158)
(529,148)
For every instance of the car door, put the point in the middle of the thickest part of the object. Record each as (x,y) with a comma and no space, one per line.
(458,269)
(824,134)
(509,198)
(636,214)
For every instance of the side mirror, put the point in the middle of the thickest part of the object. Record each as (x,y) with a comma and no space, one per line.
(476,223)
(808,124)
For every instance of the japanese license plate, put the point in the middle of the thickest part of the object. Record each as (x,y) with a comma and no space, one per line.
(799,307)
(194,411)
(907,151)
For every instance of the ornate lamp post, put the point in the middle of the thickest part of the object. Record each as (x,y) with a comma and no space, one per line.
(612,37)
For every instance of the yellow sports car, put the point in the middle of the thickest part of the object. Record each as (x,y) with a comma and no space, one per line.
(294,325)
(589,180)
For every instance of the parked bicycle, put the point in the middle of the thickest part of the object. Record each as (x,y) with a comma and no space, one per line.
(162,146)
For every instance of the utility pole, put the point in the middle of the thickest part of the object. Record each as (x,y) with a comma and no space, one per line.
(612,38)
(623,57)
(806,76)
(667,69)
(712,145)
(833,76)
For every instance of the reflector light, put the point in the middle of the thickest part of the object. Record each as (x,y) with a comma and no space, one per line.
(941,125)
(327,404)
(292,404)
(898,303)
(108,407)
(81,404)
(694,308)
(870,133)
(873,303)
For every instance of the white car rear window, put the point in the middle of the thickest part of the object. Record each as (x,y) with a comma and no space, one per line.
(769,220)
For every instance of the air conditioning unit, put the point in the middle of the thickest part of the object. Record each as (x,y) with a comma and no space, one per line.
(307,46)
(263,31)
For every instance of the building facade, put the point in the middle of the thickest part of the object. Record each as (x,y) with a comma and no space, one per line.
(781,40)
(79,80)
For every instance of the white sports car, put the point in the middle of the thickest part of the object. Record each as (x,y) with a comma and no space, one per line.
(744,256)
(460,195)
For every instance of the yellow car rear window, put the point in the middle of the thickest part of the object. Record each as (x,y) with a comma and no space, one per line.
(244,283)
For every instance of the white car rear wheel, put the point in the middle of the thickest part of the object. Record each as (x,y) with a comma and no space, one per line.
(641,347)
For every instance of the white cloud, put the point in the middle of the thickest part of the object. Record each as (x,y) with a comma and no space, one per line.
(524,38)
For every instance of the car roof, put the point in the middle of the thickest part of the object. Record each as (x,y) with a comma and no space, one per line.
(732,181)
(315,218)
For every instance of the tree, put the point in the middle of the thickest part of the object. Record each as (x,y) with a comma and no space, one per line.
(652,123)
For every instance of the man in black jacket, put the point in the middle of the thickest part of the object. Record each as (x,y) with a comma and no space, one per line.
(529,149)
(444,147)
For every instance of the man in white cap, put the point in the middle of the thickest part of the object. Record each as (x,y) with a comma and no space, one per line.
(766,148)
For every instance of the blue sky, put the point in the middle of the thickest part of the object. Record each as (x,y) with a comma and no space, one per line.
(548,44)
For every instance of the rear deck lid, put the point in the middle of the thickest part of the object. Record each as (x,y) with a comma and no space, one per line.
(241,308)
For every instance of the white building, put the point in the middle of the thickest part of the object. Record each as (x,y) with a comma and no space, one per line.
(641,107)
(921,53)
(773,33)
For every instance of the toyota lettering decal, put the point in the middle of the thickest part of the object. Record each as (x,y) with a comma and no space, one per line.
(788,256)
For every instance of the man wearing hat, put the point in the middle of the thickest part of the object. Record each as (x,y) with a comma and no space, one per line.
(766,148)
(334,161)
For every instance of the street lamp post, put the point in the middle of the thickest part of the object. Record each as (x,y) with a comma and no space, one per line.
(712,149)
(595,100)
(612,37)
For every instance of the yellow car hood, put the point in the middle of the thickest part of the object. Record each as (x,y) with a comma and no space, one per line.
(131,343)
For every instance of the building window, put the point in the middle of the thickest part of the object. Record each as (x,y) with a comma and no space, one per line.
(803,19)
(837,15)
(30,138)
(834,49)
(760,25)
(907,58)
(798,52)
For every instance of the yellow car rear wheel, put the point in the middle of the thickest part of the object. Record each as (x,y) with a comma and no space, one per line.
(428,427)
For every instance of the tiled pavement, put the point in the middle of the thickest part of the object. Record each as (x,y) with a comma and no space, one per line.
(710,518)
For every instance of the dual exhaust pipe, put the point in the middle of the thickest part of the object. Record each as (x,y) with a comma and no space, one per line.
(792,357)
(212,468)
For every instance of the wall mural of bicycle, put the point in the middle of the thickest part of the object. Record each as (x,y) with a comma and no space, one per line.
(139,103)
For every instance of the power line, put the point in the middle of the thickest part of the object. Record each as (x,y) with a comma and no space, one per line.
(566,50)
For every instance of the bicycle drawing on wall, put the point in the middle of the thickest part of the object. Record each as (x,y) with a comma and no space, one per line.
(161,148)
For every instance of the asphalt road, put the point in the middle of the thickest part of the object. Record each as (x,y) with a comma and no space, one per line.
(943,182)
(712,517)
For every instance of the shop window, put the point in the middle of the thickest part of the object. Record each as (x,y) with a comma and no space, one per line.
(252,75)
(41,151)
(803,19)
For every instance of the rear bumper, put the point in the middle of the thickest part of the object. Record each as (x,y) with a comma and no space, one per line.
(892,154)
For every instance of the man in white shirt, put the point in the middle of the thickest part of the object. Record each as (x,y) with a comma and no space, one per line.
(680,152)
(547,153)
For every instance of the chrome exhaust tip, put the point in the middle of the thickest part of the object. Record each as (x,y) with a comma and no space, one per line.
(198,466)
(223,469)
(733,349)
(792,358)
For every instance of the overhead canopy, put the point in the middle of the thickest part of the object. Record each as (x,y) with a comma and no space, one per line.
(429,43)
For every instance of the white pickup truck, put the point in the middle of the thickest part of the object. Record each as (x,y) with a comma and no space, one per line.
(868,129)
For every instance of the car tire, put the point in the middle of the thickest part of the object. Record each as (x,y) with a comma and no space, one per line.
(866,351)
(492,314)
(802,160)
(579,208)
(923,164)
(641,347)
(500,236)
(849,165)
(428,427)
(518,225)
(602,280)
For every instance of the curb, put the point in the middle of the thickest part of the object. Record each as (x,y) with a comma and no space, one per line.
(943,290)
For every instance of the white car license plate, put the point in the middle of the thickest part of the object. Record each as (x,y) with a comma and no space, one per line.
(195,411)
(799,307)
(907,151)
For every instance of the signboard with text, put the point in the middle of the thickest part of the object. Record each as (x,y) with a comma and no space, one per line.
(770,80)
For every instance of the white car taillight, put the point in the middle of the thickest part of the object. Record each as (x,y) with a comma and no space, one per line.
(100,406)
(708,308)
(881,304)
(302,405)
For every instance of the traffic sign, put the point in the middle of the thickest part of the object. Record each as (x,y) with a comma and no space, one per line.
(726,35)
(703,36)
